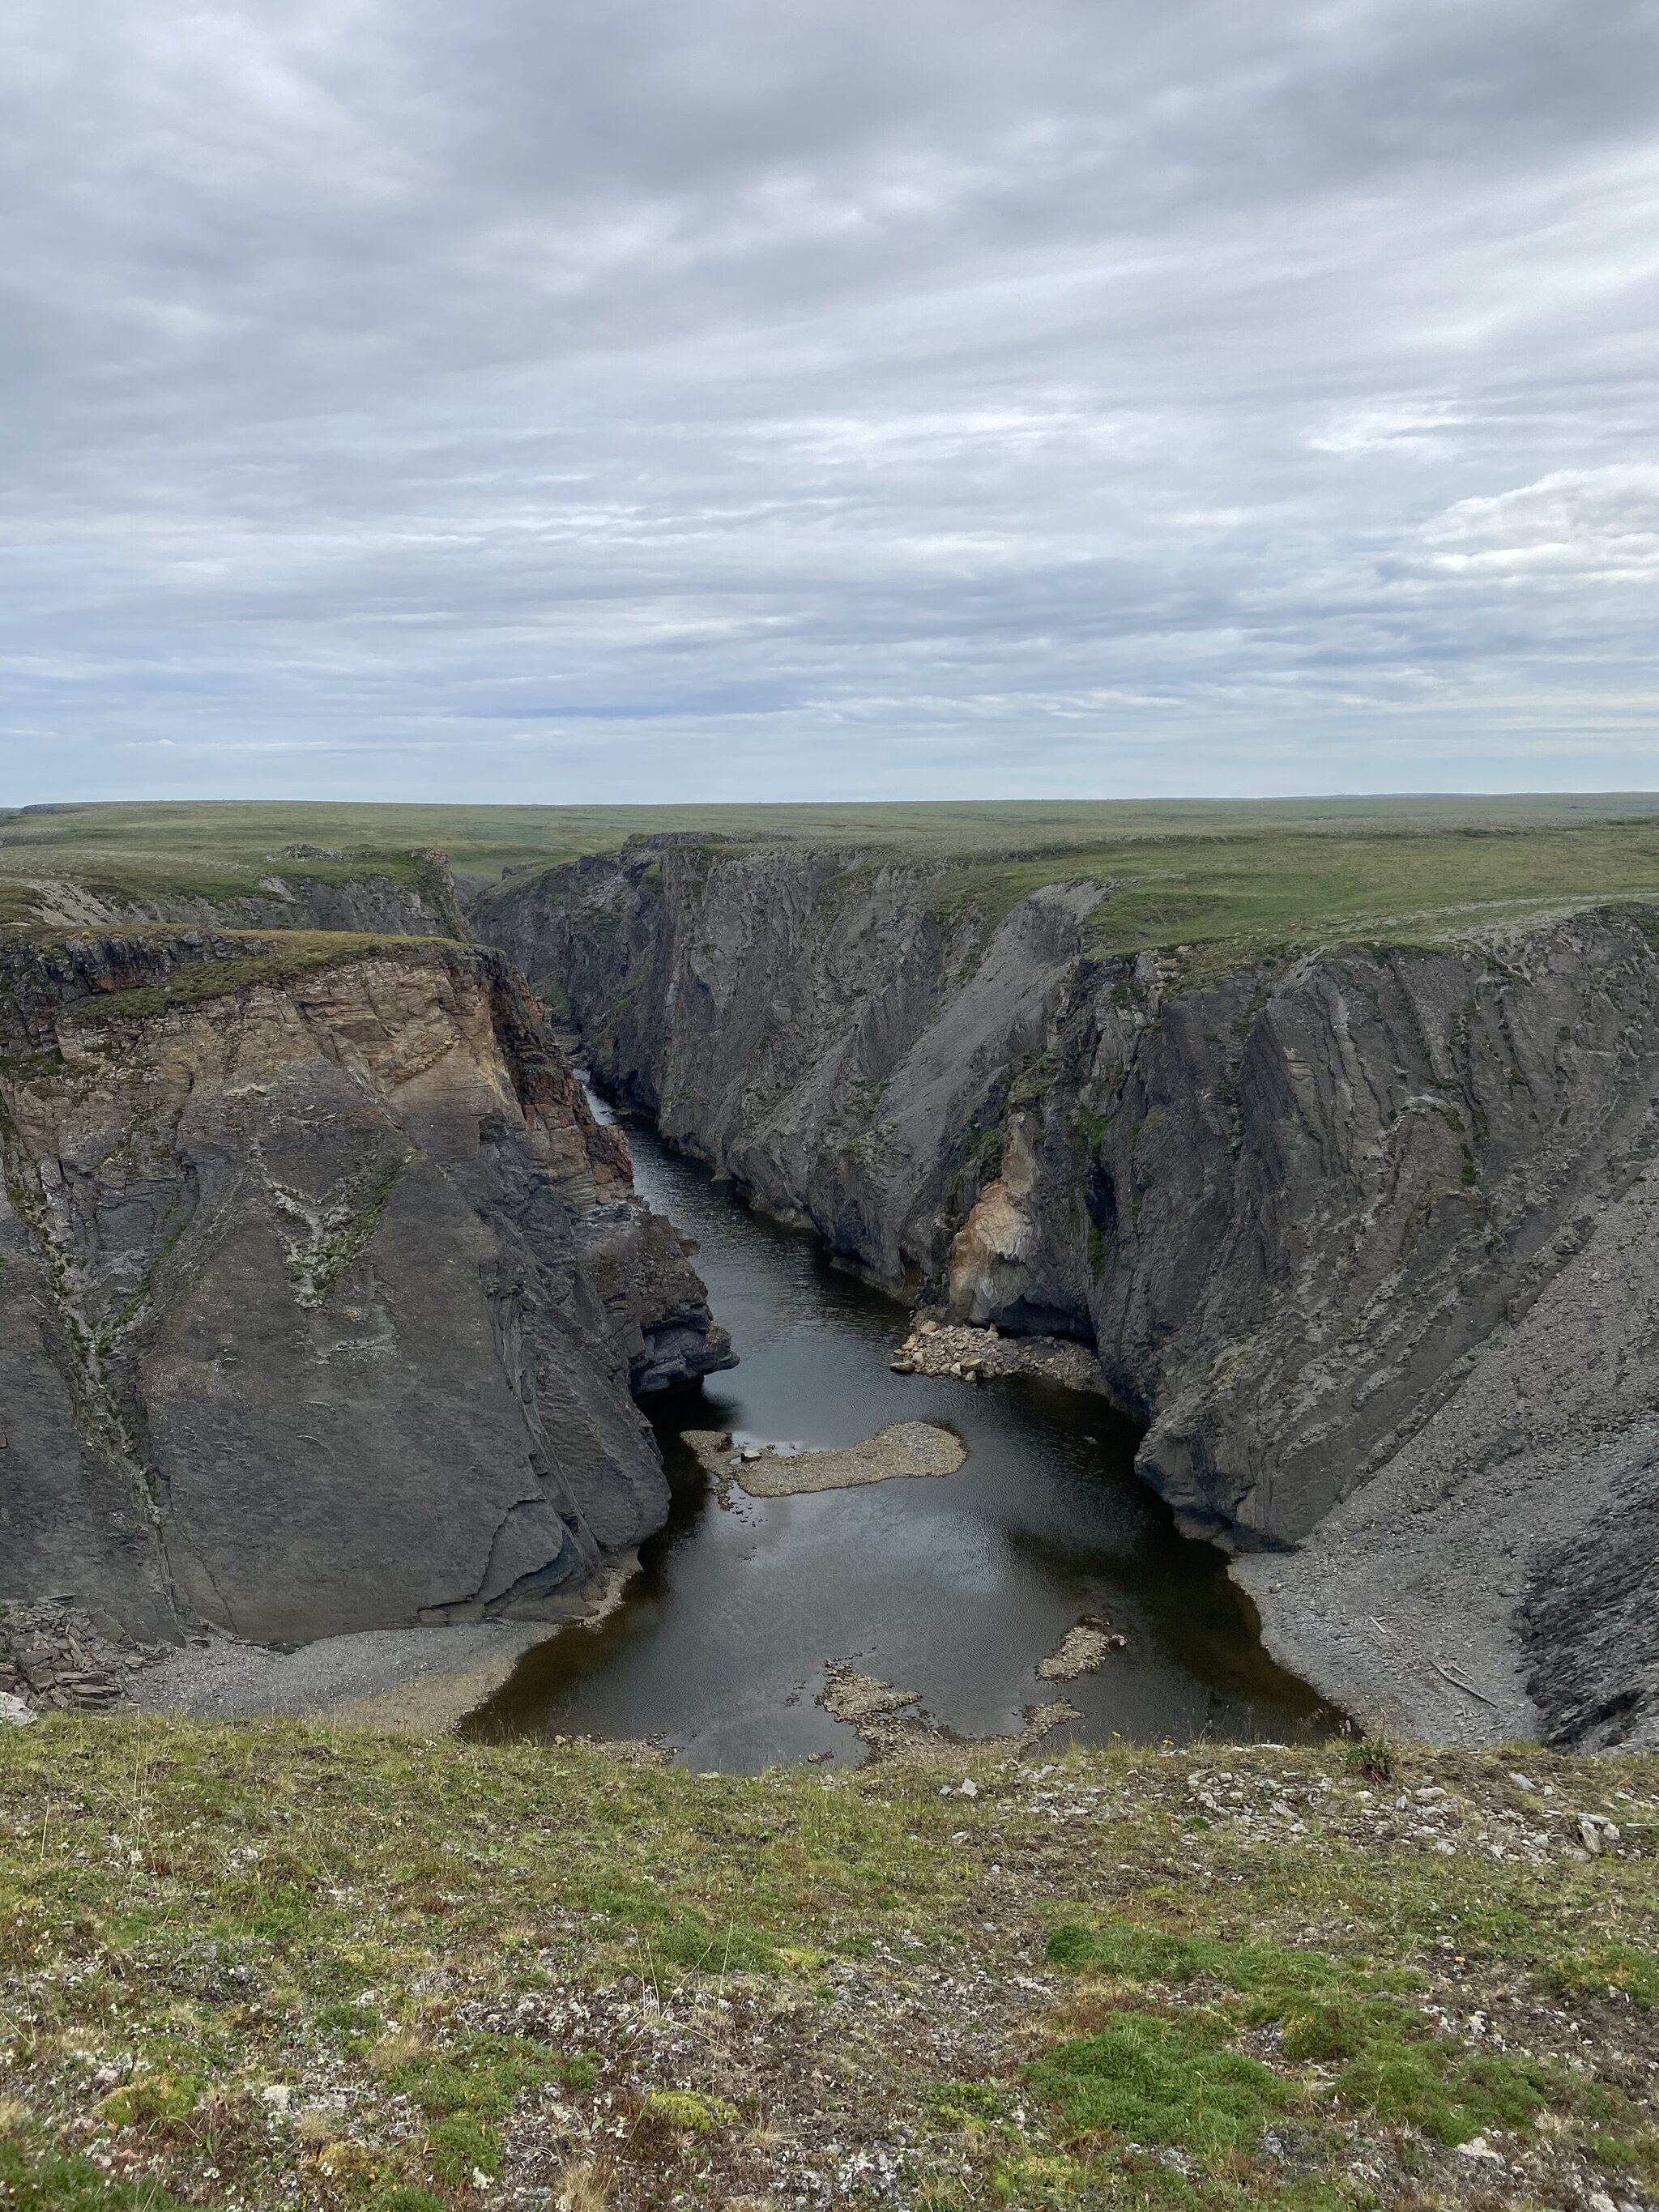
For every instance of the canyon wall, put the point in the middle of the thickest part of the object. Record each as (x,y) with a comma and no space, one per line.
(1366,1237)
(321,1293)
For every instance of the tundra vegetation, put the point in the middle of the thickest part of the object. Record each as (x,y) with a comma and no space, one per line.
(276,1964)
(1243,880)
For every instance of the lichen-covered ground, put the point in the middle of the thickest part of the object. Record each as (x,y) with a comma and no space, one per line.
(275,1964)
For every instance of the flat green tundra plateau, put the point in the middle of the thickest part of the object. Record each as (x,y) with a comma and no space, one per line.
(1220,881)
(279,1964)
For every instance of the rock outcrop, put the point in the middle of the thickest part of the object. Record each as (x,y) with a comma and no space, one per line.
(320,1291)
(1365,1238)
(58,1656)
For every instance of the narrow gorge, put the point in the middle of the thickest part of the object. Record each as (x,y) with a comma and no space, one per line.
(1364,1238)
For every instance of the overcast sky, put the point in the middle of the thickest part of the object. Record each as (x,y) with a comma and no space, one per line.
(602,399)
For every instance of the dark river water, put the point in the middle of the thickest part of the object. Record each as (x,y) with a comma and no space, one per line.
(952,1586)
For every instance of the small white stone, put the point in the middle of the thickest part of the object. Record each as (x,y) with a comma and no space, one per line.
(1477,2147)
(968,1790)
(14,1712)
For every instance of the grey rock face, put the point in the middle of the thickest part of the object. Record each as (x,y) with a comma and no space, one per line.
(804,1021)
(320,1291)
(1304,1214)
(1590,1616)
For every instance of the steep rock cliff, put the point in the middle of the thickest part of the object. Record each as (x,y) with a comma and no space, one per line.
(320,1291)
(1364,1238)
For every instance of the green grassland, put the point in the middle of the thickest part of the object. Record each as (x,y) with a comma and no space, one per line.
(163,857)
(1211,883)
(280,1964)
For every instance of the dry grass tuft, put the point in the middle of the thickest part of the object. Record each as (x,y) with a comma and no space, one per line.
(398,2046)
(579,2189)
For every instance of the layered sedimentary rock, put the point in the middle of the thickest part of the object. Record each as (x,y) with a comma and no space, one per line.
(1365,1238)
(320,1292)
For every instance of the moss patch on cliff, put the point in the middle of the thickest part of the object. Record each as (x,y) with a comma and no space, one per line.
(280,1964)
(17,905)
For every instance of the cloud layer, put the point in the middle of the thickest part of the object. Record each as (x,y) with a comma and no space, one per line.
(602,401)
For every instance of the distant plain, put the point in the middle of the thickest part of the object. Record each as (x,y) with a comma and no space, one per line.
(1243,878)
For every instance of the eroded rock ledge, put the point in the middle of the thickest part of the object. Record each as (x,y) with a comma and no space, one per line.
(320,1291)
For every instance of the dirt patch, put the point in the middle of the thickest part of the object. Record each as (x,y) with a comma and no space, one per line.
(431,1704)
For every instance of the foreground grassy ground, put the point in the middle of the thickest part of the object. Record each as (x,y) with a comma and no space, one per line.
(1214,882)
(275,1965)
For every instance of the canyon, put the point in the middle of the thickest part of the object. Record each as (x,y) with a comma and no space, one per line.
(1362,1236)
(327,1306)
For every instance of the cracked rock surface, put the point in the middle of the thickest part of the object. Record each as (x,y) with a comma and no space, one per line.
(321,1293)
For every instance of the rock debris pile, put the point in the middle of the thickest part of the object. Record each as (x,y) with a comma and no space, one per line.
(974,1355)
(1081,1650)
(54,1657)
(890,1723)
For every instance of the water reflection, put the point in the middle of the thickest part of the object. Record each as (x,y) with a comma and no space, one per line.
(955,1587)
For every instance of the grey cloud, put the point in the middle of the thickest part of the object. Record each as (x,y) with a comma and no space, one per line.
(588,400)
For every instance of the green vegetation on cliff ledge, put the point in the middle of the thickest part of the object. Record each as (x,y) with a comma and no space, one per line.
(275,1964)
(273,957)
